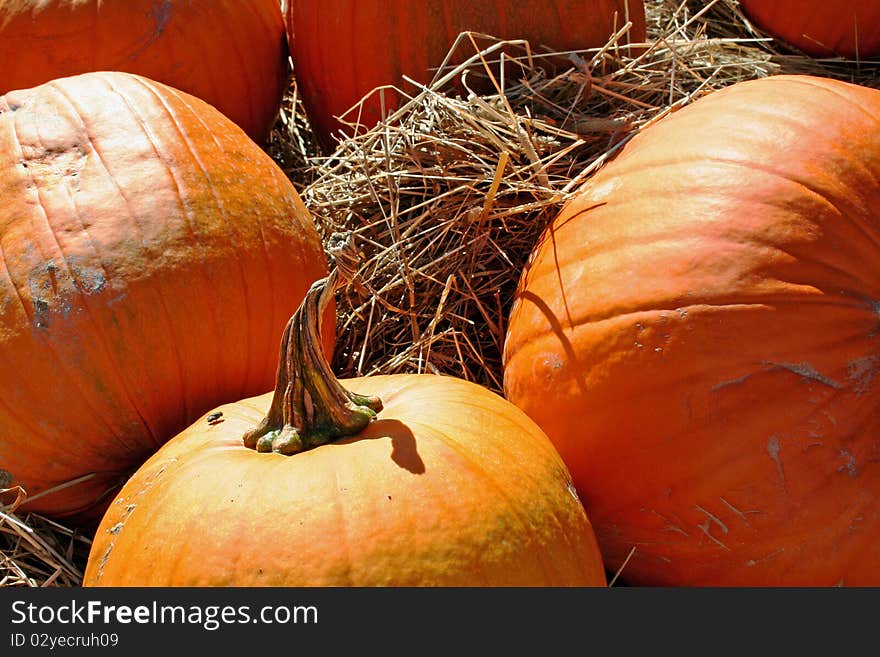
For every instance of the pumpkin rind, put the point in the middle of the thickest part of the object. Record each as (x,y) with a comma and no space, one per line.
(450,486)
(150,255)
(699,335)
(844,28)
(230,53)
(342,51)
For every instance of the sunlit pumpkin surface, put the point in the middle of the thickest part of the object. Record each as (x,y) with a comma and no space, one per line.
(449,485)
(699,335)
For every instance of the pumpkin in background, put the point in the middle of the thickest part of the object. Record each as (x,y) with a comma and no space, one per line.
(843,28)
(151,253)
(342,50)
(698,333)
(230,53)
(435,482)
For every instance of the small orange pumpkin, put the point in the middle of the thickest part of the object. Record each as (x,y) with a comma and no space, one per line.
(442,482)
(698,333)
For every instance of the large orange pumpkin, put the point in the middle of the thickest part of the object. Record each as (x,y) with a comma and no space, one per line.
(449,484)
(151,253)
(230,53)
(842,28)
(699,335)
(342,50)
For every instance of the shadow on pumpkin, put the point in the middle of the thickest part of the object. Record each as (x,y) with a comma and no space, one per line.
(556,327)
(404,451)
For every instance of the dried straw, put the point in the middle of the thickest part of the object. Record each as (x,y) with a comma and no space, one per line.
(447,196)
(37,551)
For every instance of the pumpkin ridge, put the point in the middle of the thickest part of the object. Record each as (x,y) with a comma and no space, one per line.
(160,295)
(733,301)
(815,191)
(772,300)
(244,71)
(831,88)
(344,535)
(218,203)
(154,437)
(31,318)
(104,341)
(449,441)
(269,354)
(781,175)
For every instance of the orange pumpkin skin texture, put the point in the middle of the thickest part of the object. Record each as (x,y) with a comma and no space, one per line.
(450,486)
(150,254)
(230,53)
(843,28)
(343,50)
(698,333)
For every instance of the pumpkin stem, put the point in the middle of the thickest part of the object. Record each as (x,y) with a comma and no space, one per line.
(310,407)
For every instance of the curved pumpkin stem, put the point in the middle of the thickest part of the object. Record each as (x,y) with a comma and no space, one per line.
(310,407)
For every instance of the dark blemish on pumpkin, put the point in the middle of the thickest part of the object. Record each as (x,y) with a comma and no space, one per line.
(731,382)
(215,418)
(52,271)
(806,371)
(53,166)
(41,314)
(860,373)
(160,14)
(98,282)
(849,465)
(6,478)
(773,449)
(389,497)
(87,279)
